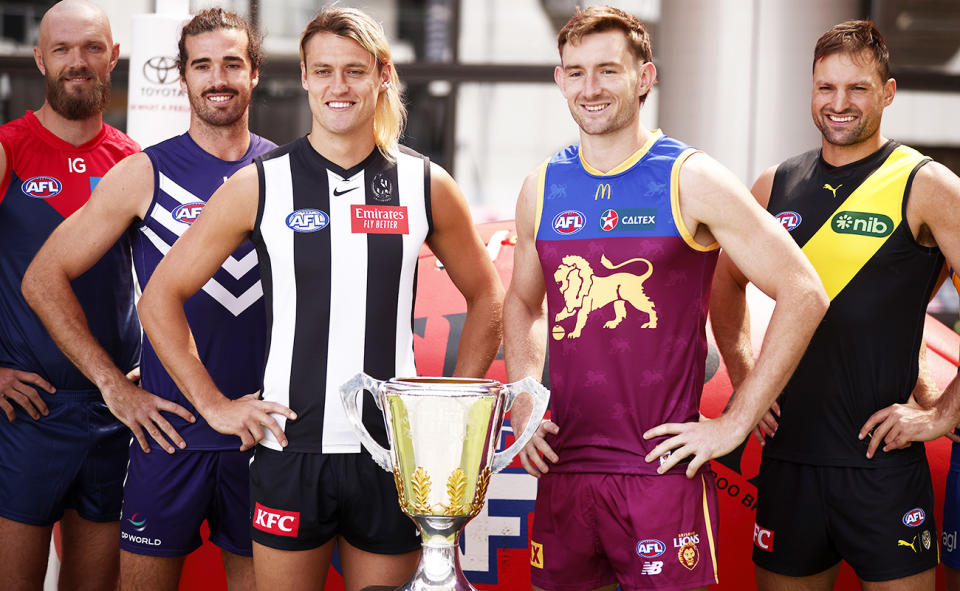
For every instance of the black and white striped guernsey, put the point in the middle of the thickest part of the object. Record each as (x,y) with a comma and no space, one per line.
(338,254)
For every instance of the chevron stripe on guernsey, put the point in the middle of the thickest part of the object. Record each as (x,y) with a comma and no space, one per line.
(881,193)
(235,304)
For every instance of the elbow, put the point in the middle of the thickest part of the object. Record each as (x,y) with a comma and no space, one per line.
(31,287)
(145,310)
(816,298)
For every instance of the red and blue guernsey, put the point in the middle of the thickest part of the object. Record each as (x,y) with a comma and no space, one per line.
(46,180)
(627,297)
(226,316)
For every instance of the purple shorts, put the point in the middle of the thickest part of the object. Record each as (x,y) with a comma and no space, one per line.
(643,532)
(167,497)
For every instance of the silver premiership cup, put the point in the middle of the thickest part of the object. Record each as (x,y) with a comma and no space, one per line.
(443,434)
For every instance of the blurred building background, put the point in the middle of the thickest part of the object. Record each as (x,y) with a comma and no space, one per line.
(734,78)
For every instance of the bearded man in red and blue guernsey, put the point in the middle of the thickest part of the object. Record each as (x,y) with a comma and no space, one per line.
(62,453)
(620,234)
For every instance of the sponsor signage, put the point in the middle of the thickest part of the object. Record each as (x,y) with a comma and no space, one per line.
(862,224)
(379,219)
(276,521)
(628,219)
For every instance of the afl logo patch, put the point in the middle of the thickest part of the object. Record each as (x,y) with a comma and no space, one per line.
(650,548)
(188,213)
(789,219)
(568,222)
(41,187)
(914,517)
(307,220)
(608,220)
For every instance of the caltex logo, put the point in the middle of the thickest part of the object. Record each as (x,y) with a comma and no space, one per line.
(608,220)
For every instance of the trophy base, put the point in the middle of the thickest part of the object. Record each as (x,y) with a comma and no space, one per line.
(439,566)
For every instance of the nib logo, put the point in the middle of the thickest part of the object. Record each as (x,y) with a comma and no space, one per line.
(138,524)
(862,224)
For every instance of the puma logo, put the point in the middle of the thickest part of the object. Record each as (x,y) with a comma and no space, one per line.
(831,189)
(911,545)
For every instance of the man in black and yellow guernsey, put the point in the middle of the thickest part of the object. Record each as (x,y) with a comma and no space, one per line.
(876,218)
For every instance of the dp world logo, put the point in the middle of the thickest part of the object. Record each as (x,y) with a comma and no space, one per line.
(862,224)
(138,523)
(161,69)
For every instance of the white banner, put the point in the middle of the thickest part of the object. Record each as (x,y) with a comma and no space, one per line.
(157,105)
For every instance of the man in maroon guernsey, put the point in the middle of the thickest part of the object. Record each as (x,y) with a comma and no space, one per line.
(620,235)
(62,452)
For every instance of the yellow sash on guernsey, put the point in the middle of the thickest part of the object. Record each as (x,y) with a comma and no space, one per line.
(858,228)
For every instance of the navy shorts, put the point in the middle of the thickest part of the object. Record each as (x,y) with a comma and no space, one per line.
(166,497)
(73,458)
(300,501)
(880,520)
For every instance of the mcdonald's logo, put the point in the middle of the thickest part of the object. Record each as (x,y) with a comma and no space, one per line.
(603,191)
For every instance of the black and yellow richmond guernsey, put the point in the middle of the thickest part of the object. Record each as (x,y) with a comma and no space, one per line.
(851,223)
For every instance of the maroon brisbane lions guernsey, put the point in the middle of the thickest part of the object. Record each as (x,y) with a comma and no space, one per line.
(627,297)
(46,180)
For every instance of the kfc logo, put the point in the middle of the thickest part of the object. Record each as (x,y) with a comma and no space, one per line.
(276,521)
(763,538)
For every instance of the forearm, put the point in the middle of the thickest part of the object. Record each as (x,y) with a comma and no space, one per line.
(524,350)
(480,339)
(730,321)
(925,392)
(55,303)
(795,318)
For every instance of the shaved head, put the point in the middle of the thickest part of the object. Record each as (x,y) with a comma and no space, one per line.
(73,13)
(75,53)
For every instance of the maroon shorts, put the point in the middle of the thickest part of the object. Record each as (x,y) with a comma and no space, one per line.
(643,532)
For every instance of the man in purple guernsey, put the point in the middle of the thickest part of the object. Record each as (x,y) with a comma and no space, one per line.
(156,195)
(620,234)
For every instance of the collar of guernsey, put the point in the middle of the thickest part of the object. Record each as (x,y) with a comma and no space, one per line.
(661,155)
(882,193)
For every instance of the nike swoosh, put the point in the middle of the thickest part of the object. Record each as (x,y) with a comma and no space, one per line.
(338,192)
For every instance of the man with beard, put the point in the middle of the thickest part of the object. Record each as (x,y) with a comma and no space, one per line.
(62,454)
(159,193)
(876,218)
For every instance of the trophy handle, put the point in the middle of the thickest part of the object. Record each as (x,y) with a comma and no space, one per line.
(541,396)
(349,392)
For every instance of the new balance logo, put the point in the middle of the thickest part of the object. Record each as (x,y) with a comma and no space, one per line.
(652,568)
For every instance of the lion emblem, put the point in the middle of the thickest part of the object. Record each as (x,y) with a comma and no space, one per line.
(584,292)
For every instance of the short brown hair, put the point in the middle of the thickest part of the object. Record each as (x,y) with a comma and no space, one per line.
(852,38)
(214,19)
(597,19)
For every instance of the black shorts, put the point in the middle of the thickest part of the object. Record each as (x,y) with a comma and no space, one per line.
(300,501)
(880,520)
